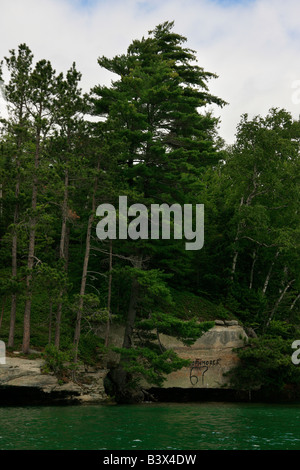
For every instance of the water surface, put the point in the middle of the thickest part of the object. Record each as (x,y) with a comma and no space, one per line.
(193,426)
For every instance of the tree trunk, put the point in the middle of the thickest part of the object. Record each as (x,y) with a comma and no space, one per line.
(118,378)
(63,250)
(127,340)
(50,321)
(83,284)
(279,301)
(236,253)
(11,336)
(27,312)
(134,295)
(61,293)
(294,302)
(85,268)
(109,295)
(269,274)
(252,269)
(30,262)
(248,202)
(2,311)
(58,321)
(13,310)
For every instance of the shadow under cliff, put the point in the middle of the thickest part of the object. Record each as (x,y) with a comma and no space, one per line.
(185,395)
(32,396)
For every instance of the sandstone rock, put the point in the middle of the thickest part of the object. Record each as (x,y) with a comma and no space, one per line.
(27,374)
(231,322)
(211,357)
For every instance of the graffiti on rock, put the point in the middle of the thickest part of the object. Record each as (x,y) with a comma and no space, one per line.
(199,367)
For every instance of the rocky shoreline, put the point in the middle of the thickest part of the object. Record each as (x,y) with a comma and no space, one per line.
(23,382)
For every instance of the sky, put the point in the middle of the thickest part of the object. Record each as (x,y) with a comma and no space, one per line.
(251,45)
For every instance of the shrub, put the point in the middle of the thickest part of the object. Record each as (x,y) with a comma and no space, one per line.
(56,361)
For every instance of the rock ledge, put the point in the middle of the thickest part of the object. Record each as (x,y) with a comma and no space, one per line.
(26,375)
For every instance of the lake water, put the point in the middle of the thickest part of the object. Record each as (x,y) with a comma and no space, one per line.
(192,426)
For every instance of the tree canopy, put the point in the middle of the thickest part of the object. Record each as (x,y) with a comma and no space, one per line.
(156,142)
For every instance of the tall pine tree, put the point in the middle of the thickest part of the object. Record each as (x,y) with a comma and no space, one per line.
(161,141)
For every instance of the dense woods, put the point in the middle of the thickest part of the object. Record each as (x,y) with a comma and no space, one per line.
(150,136)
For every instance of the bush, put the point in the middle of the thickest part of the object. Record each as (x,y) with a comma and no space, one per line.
(57,362)
(90,348)
(265,363)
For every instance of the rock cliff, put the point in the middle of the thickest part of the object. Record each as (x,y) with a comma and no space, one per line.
(211,356)
(22,382)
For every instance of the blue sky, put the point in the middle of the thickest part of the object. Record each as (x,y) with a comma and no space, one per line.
(252,45)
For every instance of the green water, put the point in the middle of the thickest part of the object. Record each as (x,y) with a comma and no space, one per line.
(196,426)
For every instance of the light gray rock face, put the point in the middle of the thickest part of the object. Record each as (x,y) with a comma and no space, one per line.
(25,373)
(211,356)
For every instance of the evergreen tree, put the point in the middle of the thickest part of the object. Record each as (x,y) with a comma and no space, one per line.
(261,181)
(66,148)
(160,139)
(39,104)
(18,130)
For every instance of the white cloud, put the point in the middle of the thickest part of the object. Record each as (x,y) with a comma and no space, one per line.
(252,46)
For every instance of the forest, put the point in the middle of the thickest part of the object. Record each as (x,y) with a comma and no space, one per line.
(150,136)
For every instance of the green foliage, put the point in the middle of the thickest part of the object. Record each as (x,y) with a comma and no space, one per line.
(91,349)
(261,187)
(186,305)
(265,362)
(155,142)
(93,314)
(249,305)
(148,364)
(187,331)
(58,362)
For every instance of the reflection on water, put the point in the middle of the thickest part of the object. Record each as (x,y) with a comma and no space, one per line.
(195,426)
